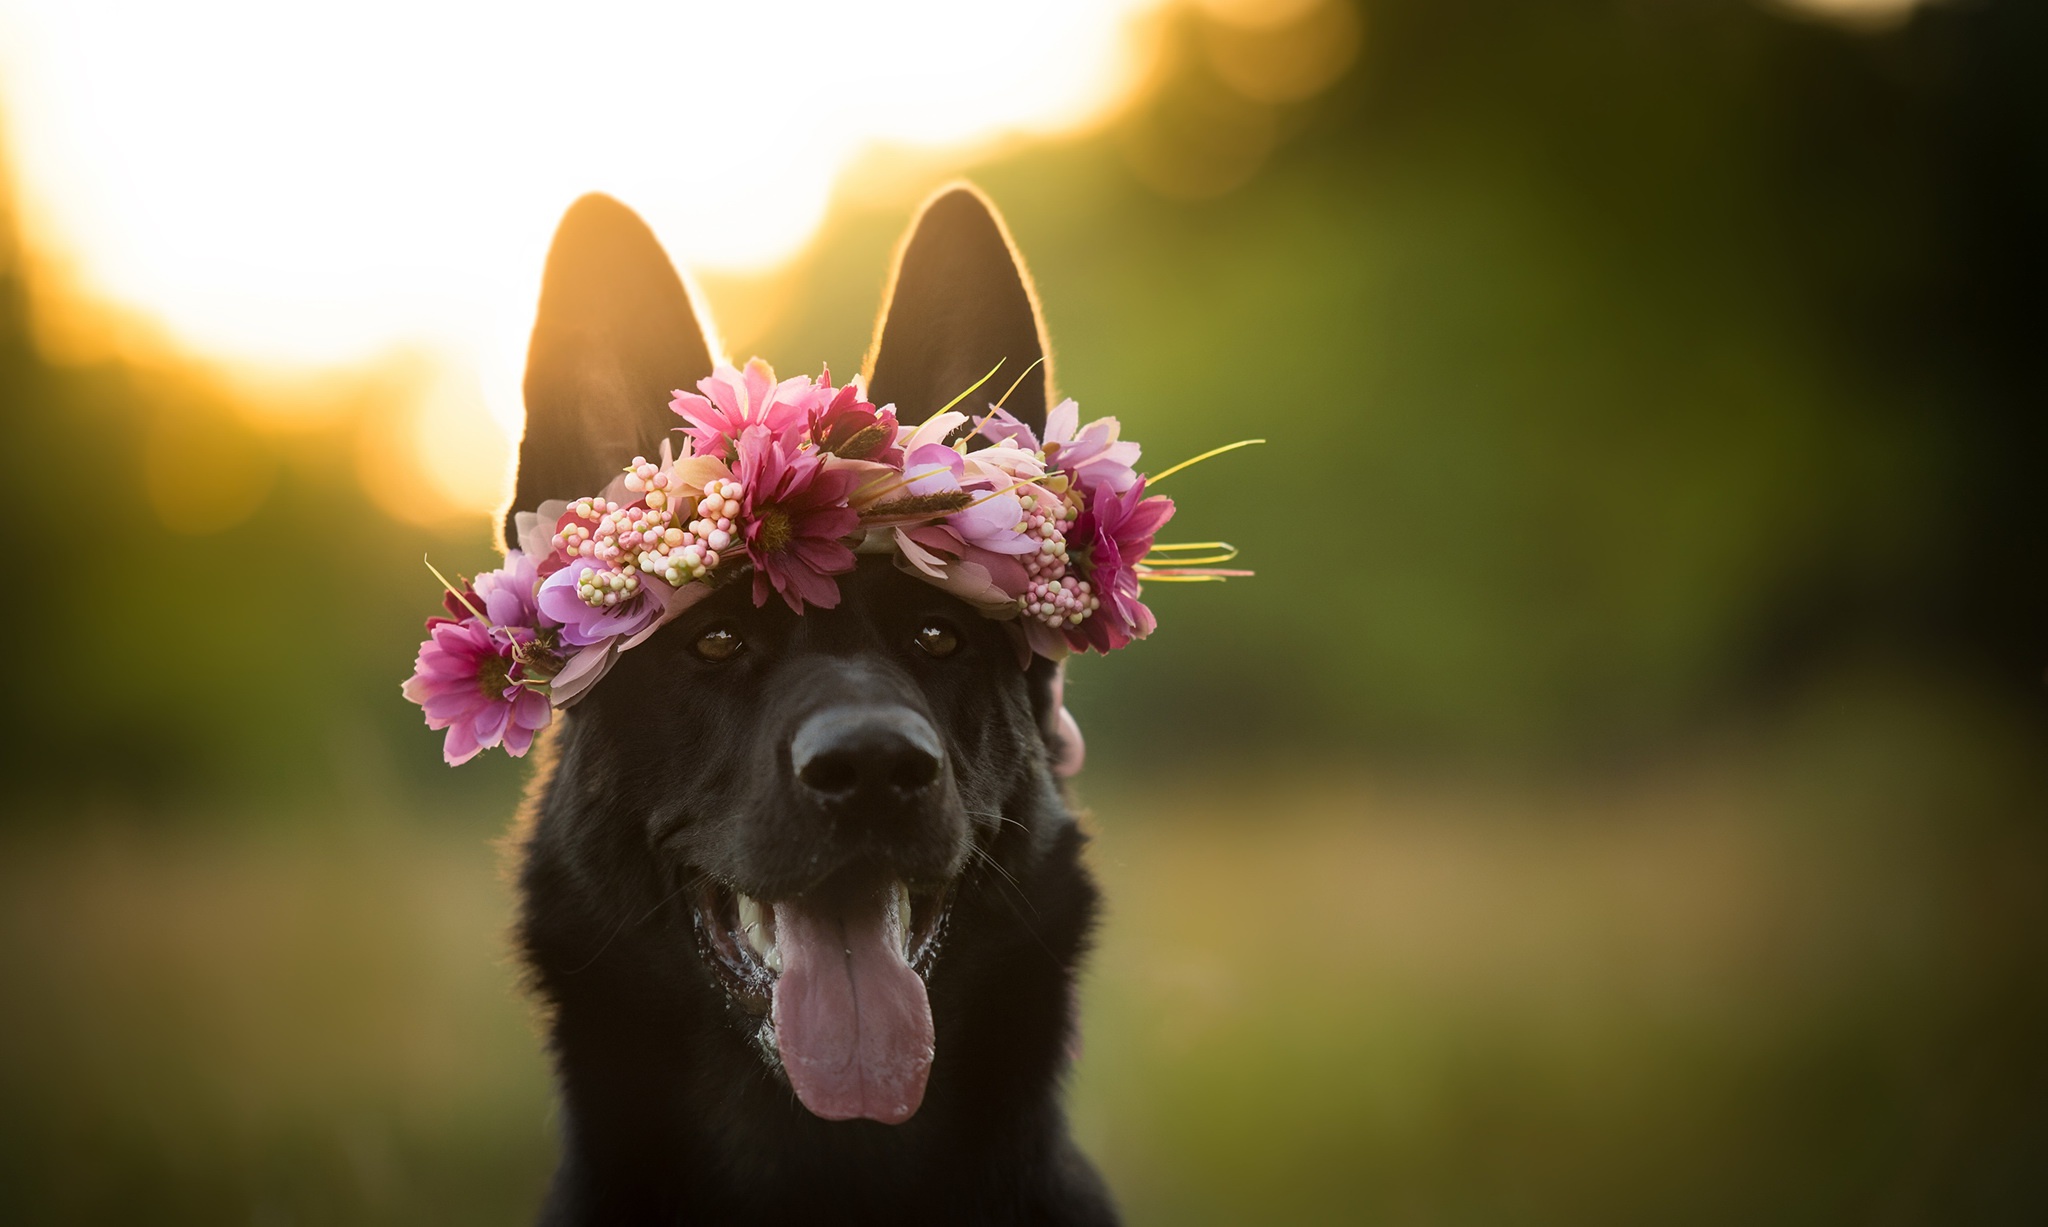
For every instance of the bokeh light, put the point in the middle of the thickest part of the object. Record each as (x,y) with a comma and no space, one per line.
(318,183)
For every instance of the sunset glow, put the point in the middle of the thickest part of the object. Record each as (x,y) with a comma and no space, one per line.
(316,184)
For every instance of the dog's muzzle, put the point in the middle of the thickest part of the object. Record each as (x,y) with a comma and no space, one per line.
(835,970)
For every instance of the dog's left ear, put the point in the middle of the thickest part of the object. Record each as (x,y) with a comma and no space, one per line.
(958,301)
(615,335)
(1048,681)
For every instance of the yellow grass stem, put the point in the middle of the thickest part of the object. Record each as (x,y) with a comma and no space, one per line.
(1005,398)
(1156,478)
(891,487)
(1029,481)
(455,592)
(970,388)
(1225,552)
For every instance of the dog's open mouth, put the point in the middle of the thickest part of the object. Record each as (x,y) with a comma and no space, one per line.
(839,983)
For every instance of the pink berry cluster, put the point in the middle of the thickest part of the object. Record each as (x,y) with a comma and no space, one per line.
(640,536)
(717,512)
(1053,596)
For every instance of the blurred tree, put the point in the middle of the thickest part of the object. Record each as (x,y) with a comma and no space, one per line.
(1623,362)
(204,609)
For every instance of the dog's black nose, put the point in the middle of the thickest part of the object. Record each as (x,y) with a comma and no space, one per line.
(866,754)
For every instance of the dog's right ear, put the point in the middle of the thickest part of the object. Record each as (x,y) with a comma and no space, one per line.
(615,335)
(958,302)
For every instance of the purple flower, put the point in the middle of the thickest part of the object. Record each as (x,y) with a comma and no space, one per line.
(992,521)
(595,602)
(1114,533)
(506,596)
(467,681)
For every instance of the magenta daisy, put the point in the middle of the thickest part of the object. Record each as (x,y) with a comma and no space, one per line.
(794,510)
(468,681)
(1113,534)
(849,426)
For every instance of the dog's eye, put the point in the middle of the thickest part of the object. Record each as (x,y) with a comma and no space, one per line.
(938,639)
(719,643)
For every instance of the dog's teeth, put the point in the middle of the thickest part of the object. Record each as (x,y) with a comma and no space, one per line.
(757,925)
(903,915)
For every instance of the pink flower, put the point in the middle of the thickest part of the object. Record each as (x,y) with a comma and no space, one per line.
(467,681)
(795,513)
(851,427)
(1114,533)
(989,581)
(1093,455)
(733,401)
(993,521)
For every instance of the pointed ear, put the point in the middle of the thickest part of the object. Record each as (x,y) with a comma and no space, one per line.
(958,300)
(615,335)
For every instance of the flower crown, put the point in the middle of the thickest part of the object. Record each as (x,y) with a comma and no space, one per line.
(791,481)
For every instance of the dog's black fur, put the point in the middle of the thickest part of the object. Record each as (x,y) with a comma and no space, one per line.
(672,781)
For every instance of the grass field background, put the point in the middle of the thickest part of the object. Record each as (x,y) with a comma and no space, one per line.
(1755,984)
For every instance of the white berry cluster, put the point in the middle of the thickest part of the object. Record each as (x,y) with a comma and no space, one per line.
(1053,596)
(599,587)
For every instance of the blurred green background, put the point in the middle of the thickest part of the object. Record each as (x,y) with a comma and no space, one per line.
(1618,799)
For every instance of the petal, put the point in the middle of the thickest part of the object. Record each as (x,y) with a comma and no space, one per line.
(1003,427)
(1004,571)
(581,673)
(1061,421)
(724,387)
(690,406)
(530,710)
(809,587)
(490,722)
(1148,518)
(933,430)
(824,555)
(760,382)
(534,532)
(460,745)
(453,704)
(927,563)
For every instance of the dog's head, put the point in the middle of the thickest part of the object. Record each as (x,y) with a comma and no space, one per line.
(814,787)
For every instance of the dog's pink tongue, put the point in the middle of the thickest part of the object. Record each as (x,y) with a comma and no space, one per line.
(851,1018)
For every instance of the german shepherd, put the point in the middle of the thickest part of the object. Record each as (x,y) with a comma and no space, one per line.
(801,896)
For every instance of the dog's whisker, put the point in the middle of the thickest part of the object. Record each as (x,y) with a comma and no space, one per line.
(1015,886)
(999,817)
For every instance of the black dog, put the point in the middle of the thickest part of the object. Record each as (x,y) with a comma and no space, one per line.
(775,861)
